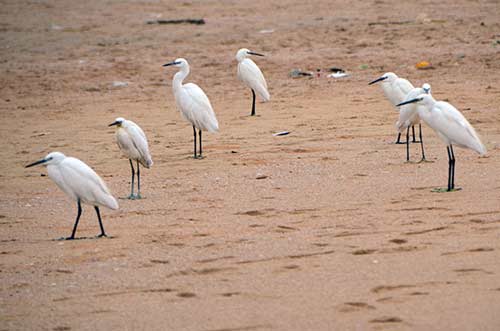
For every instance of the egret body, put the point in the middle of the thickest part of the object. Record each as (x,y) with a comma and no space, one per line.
(79,182)
(193,103)
(408,117)
(395,89)
(134,145)
(451,126)
(250,74)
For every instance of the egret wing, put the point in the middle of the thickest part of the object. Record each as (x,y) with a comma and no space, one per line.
(85,183)
(140,142)
(251,75)
(197,108)
(453,125)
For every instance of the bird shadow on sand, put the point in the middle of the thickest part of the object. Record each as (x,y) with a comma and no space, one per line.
(83,238)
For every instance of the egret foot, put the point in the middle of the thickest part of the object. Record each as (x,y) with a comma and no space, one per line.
(416,141)
(131,197)
(400,142)
(138,196)
(102,235)
(425,161)
(445,189)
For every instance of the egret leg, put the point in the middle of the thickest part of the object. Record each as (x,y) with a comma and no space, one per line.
(103,234)
(413,133)
(194,133)
(132,196)
(398,140)
(200,156)
(76,222)
(450,165)
(408,144)
(253,103)
(452,168)
(421,141)
(138,196)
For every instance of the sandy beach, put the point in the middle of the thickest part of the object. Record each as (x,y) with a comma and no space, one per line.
(326,228)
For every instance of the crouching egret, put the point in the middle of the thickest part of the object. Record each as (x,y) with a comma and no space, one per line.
(250,74)
(193,103)
(451,126)
(395,89)
(408,117)
(80,182)
(134,145)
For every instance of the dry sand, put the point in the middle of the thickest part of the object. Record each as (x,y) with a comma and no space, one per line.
(342,234)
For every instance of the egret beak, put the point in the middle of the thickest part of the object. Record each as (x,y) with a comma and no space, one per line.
(253,53)
(377,80)
(36,163)
(114,123)
(409,101)
(170,64)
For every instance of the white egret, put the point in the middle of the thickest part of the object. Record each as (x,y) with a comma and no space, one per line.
(80,182)
(250,74)
(134,145)
(451,126)
(193,103)
(395,89)
(408,117)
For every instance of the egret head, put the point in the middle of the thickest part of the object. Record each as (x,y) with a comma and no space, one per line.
(51,158)
(427,88)
(244,53)
(387,77)
(180,62)
(118,122)
(421,99)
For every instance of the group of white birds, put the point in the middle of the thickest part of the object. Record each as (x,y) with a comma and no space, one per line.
(83,185)
(418,104)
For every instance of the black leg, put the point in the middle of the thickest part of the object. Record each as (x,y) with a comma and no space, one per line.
(421,141)
(452,168)
(413,132)
(253,103)
(408,144)
(398,141)
(103,234)
(131,196)
(138,196)
(449,167)
(199,133)
(76,222)
(194,134)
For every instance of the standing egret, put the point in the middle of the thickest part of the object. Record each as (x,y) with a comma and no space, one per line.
(193,103)
(250,74)
(395,89)
(134,145)
(408,117)
(80,182)
(451,126)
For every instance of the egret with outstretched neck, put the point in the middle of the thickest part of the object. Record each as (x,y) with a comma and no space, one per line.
(193,103)
(395,89)
(408,117)
(251,75)
(451,126)
(79,182)
(134,145)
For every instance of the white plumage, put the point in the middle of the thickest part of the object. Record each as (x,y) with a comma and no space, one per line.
(451,126)
(133,142)
(408,114)
(79,182)
(449,123)
(134,145)
(394,87)
(193,103)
